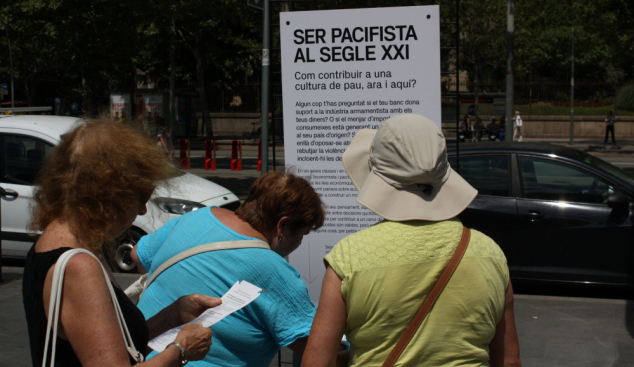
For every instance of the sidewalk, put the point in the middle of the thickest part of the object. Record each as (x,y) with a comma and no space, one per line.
(14,340)
(553,331)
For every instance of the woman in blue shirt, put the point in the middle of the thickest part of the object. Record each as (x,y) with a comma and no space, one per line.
(281,208)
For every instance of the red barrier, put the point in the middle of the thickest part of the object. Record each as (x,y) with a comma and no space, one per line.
(210,155)
(184,157)
(259,155)
(236,155)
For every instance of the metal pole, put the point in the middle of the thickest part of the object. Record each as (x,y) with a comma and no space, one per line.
(457,29)
(572,81)
(266,45)
(1,280)
(510,36)
(11,64)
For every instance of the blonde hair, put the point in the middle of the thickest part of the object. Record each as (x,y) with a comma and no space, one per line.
(99,170)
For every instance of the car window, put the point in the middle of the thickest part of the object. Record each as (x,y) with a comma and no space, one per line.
(23,158)
(548,179)
(489,174)
(610,168)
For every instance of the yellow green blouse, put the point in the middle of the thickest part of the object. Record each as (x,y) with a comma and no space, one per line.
(389,268)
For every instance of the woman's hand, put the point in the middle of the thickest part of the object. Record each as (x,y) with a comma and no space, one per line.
(196,340)
(182,311)
(187,308)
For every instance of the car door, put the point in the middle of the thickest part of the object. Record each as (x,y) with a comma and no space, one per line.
(568,232)
(493,211)
(22,159)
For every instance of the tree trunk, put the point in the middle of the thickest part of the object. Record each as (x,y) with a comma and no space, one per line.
(530,96)
(172,103)
(200,71)
(133,115)
(30,94)
(475,90)
(85,99)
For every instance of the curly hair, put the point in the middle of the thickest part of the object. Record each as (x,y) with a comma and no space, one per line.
(99,170)
(277,194)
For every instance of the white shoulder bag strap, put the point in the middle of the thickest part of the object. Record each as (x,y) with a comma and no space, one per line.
(225,245)
(56,300)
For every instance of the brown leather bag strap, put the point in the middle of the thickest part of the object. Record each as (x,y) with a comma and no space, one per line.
(430,300)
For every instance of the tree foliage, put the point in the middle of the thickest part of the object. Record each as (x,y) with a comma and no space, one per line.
(603,35)
(88,48)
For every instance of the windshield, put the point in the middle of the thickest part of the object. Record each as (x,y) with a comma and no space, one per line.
(610,168)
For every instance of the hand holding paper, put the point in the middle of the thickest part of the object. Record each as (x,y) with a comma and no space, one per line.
(241,294)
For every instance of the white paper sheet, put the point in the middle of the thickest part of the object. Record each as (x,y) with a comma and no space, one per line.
(241,294)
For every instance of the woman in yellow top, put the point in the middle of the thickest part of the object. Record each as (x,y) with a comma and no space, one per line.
(376,279)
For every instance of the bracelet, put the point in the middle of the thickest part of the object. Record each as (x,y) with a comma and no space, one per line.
(183,352)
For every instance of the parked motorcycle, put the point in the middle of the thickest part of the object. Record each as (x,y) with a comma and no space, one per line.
(493,135)
(465,136)
(496,135)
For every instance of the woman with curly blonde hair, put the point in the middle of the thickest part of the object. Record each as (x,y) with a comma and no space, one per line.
(92,187)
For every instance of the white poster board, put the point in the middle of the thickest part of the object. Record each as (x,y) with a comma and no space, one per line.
(152,107)
(344,70)
(120,107)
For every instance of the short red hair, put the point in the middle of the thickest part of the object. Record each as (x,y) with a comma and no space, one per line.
(278,194)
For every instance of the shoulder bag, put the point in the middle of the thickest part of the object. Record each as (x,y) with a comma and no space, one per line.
(430,299)
(56,301)
(137,288)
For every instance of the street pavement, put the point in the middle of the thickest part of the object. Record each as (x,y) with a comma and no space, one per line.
(553,331)
(580,329)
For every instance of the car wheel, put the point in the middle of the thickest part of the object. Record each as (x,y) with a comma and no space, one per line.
(120,259)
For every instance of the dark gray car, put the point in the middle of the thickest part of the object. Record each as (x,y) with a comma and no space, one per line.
(559,214)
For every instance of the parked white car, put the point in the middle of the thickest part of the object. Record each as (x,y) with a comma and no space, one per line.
(25,141)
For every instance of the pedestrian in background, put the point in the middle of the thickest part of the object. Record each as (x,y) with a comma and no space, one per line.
(502,128)
(466,128)
(610,119)
(518,126)
(479,128)
(164,141)
(492,129)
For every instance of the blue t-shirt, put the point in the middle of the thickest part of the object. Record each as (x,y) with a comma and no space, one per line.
(251,336)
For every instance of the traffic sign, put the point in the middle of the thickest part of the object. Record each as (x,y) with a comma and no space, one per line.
(472,110)
(4,86)
(256,4)
(4,89)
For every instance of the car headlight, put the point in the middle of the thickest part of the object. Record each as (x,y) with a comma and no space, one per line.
(176,206)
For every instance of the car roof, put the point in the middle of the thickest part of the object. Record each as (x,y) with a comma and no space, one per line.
(517,147)
(54,126)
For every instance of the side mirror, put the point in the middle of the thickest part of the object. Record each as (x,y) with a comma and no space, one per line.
(618,199)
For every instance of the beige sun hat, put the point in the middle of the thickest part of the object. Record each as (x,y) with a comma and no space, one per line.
(402,173)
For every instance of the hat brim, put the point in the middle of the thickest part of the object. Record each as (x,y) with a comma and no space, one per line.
(444,202)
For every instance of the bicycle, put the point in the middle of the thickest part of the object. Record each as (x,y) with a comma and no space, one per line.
(255,133)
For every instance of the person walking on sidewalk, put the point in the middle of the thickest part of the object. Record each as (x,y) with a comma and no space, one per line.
(610,119)
(518,126)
